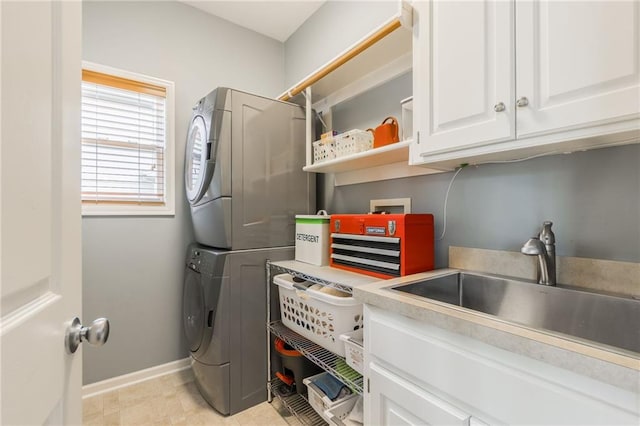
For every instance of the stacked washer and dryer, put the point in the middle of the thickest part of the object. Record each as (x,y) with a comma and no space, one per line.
(245,184)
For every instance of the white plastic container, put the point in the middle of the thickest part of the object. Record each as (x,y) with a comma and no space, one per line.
(354,349)
(324,150)
(312,238)
(352,142)
(338,415)
(318,316)
(321,402)
(407,118)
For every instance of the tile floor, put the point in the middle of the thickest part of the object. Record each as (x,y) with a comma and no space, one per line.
(172,400)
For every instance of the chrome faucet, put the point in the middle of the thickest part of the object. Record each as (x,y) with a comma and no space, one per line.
(544,247)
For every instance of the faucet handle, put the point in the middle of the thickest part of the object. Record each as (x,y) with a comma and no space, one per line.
(546,234)
(533,247)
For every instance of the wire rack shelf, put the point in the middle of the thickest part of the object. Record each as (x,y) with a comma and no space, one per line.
(325,359)
(297,405)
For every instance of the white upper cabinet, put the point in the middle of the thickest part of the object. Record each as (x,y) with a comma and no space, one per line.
(496,80)
(464,72)
(578,63)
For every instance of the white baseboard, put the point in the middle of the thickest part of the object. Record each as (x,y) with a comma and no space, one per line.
(114,383)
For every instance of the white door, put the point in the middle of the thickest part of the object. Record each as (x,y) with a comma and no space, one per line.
(463,75)
(577,64)
(40,252)
(393,401)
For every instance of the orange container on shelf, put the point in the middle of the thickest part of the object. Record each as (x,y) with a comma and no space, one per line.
(386,133)
(382,245)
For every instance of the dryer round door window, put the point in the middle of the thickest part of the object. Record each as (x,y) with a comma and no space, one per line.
(196,159)
(193,310)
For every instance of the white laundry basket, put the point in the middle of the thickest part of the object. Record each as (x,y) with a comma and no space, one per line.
(318,316)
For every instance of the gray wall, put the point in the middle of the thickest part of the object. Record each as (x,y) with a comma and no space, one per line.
(334,27)
(133,266)
(369,109)
(593,199)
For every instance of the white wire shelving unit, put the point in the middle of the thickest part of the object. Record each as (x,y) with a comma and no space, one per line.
(325,359)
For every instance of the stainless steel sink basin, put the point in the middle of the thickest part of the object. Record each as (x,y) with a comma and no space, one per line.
(601,318)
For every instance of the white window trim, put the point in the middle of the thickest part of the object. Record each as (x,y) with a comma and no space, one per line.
(170,160)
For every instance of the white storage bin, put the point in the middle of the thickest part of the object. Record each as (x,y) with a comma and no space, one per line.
(354,349)
(338,415)
(324,150)
(352,142)
(312,238)
(318,316)
(319,401)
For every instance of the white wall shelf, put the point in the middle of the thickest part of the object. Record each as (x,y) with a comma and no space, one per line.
(374,157)
(386,162)
(381,56)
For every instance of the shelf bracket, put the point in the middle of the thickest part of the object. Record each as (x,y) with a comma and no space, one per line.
(309,124)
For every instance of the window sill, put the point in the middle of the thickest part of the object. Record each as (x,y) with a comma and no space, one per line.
(103,210)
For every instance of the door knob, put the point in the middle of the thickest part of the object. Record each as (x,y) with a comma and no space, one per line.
(96,334)
(522,102)
(499,107)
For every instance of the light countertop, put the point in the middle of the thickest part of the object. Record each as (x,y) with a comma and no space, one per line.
(617,367)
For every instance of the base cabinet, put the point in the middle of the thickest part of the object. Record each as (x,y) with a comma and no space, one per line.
(417,373)
(394,401)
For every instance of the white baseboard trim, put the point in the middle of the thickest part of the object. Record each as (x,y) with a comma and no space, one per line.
(125,380)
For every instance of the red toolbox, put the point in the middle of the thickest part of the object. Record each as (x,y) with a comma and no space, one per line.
(382,245)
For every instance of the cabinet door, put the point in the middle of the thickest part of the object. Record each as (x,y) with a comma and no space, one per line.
(463,75)
(578,64)
(394,401)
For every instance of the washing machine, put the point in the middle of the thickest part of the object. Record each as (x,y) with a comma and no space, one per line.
(224,316)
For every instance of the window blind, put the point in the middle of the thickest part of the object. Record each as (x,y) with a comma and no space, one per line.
(123,140)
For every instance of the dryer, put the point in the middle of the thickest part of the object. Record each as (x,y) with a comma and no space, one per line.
(243,170)
(224,314)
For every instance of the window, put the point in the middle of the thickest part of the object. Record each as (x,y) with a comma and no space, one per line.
(127,143)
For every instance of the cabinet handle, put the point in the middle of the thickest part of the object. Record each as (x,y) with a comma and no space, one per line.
(522,102)
(499,107)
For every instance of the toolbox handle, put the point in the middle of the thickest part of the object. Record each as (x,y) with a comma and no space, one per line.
(405,203)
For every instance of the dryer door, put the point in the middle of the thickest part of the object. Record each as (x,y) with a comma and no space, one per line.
(197,170)
(193,309)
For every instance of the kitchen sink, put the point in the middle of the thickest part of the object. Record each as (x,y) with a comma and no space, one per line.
(602,318)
